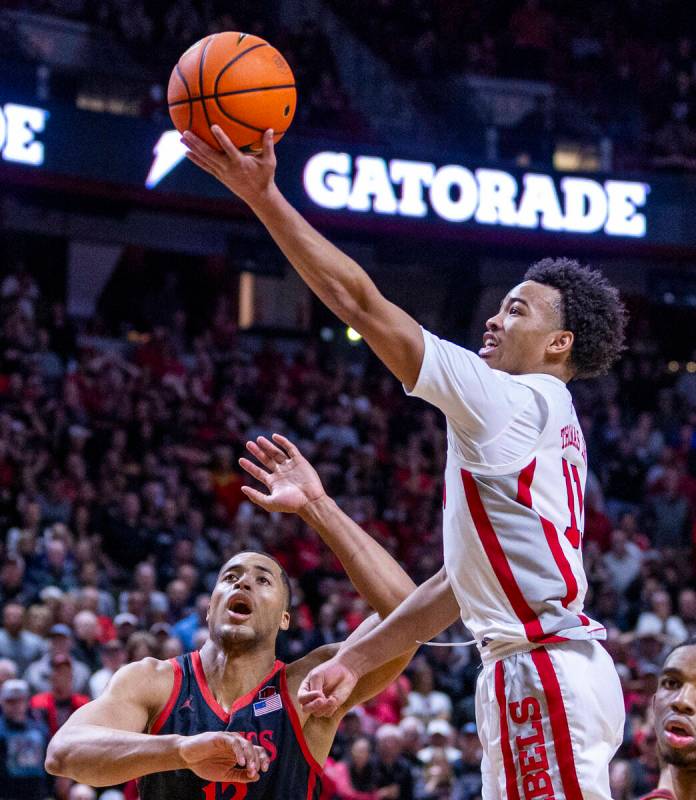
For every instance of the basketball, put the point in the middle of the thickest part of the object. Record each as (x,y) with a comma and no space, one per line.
(234,80)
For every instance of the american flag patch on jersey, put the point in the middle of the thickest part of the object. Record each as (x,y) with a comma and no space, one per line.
(273,702)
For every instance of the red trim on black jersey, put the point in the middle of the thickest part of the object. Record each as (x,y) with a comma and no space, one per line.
(659,794)
(296,726)
(209,697)
(311,784)
(163,716)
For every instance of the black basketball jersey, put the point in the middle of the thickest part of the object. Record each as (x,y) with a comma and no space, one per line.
(265,716)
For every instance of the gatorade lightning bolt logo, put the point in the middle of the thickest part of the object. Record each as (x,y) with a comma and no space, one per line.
(169,153)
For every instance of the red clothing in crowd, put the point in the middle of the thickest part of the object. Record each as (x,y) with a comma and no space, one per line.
(386,706)
(228,491)
(45,702)
(338,773)
(107,629)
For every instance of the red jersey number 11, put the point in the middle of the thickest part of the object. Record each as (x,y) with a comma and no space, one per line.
(574,490)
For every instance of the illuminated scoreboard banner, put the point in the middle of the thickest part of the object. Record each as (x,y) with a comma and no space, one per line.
(456,194)
(453,193)
(364,188)
(19,127)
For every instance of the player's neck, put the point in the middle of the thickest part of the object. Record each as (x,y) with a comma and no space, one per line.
(231,674)
(559,371)
(683,783)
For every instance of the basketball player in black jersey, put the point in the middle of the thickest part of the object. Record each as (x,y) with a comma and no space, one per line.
(224,723)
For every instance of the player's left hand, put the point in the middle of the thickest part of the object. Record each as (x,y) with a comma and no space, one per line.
(327,687)
(291,480)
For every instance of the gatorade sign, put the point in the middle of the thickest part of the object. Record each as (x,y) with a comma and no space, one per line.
(18,128)
(455,194)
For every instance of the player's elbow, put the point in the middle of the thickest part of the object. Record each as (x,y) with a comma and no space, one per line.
(63,755)
(356,301)
(56,757)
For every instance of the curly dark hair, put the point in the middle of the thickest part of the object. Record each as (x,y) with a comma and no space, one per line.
(590,308)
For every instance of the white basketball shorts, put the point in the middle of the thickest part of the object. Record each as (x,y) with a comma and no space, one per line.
(550,721)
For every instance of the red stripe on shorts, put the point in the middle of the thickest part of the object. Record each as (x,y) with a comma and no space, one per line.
(559,724)
(498,561)
(510,774)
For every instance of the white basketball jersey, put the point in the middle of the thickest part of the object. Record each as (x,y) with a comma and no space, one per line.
(513,500)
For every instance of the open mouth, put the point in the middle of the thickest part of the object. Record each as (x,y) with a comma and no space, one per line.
(489,345)
(239,609)
(679,734)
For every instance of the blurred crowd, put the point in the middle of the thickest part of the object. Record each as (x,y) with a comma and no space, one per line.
(156,34)
(622,72)
(120,498)
(629,65)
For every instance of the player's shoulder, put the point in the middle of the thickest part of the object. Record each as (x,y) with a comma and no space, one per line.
(149,676)
(548,384)
(552,393)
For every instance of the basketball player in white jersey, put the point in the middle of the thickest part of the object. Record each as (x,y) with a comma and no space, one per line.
(549,704)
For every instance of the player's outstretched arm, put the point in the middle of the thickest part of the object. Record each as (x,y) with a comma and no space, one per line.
(338,281)
(295,487)
(425,613)
(103,743)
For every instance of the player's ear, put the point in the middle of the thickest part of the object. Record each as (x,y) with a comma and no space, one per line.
(561,343)
(285,621)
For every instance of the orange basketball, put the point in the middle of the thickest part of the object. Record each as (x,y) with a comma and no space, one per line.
(234,80)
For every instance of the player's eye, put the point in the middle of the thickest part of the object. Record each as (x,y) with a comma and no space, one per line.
(670,684)
(514,310)
(263,579)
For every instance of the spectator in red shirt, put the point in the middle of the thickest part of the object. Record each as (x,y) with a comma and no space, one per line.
(355,777)
(227,482)
(59,703)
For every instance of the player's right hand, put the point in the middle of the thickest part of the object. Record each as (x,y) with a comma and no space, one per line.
(250,177)
(291,480)
(326,688)
(223,757)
